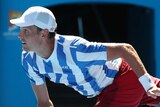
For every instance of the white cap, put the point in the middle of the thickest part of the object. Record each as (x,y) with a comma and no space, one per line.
(38,16)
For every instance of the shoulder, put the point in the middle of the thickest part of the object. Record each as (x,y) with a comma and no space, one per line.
(70,39)
(67,37)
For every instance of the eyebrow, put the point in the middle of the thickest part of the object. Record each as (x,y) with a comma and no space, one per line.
(22,28)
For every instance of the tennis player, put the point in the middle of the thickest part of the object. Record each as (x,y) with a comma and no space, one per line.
(111,71)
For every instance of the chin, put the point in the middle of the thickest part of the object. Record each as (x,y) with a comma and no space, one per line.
(26,49)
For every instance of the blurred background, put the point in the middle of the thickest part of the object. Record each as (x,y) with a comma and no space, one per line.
(133,21)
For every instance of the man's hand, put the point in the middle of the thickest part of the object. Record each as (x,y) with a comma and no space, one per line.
(153,92)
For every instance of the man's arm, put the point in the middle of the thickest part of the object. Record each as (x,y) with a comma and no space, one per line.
(42,96)
(127,52)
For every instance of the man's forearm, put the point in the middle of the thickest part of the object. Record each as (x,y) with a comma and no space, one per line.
(132,58)
(127,52)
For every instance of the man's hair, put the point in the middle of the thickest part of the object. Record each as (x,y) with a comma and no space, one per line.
(51,34)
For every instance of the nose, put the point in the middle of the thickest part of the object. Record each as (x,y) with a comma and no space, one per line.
(20,35)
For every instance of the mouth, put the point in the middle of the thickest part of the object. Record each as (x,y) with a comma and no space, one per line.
(23,43)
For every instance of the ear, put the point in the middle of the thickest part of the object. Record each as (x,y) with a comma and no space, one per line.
(45,33)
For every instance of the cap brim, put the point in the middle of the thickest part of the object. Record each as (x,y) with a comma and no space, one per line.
(19,22)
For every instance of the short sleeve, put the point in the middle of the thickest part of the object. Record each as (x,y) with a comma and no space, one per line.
(84,51)
(34,76)
(89,51)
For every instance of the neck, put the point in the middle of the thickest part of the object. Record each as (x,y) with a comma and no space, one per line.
(46,49)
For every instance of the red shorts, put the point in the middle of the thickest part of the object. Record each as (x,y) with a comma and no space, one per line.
(126,91)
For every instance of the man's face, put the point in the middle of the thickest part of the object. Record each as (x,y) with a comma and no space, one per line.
(30,38)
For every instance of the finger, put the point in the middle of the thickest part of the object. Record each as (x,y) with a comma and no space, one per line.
(157,92)
(152,94)
(154,97)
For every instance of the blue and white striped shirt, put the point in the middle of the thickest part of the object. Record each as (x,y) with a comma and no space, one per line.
(75,62)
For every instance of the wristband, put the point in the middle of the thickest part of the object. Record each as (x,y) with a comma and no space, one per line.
(146,81)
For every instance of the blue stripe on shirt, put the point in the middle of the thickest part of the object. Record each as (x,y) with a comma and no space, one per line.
(109,72)
(91,80)
(48,67)
(25,65)
(28,59)
(83,66)
(61,39)
(62,62)
(58,77)
(81,89)
(34,62)
(91,48)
